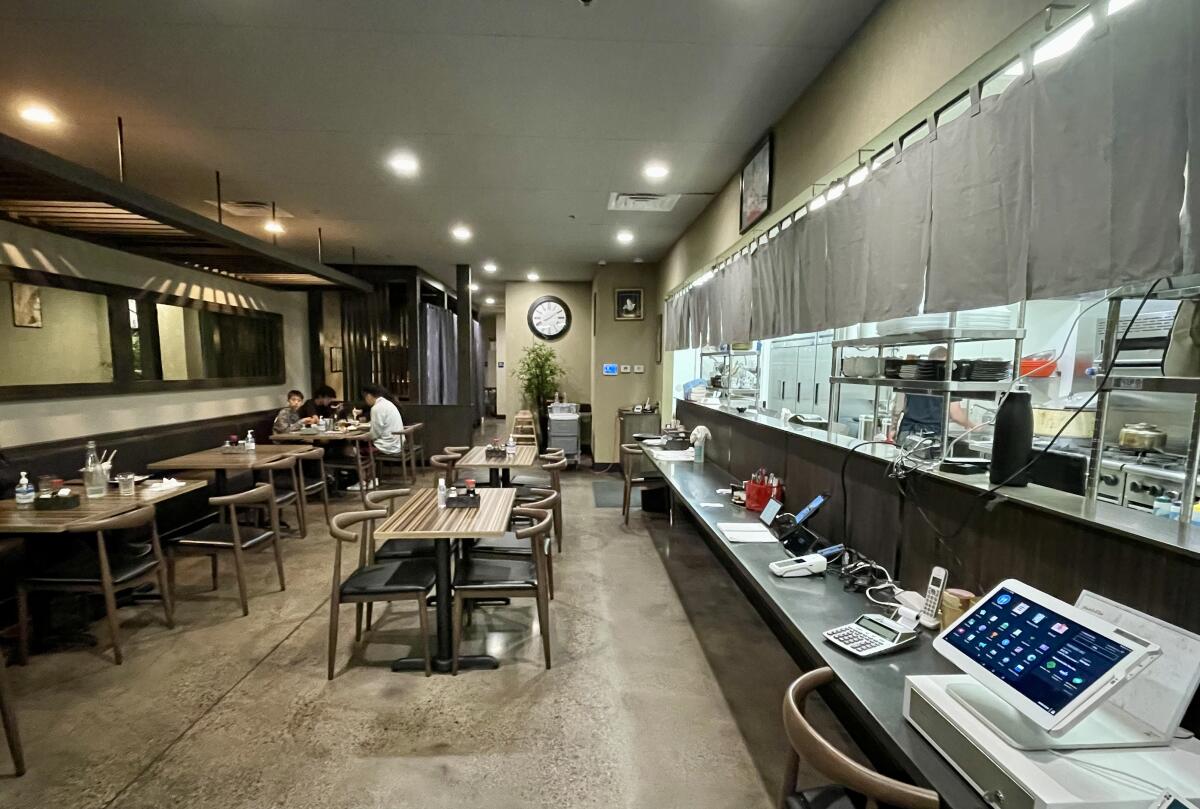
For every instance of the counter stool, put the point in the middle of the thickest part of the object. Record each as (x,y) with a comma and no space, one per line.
(123,565)
(488,579)
(410,580)
(629,454)
(8,714)
(833,763)
(230,537)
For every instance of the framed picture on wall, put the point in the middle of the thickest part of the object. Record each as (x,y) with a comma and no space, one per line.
(628,305)
(27,305)
(757,178)
(335,360)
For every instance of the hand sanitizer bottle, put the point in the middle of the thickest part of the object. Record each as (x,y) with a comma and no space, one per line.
(511,447)
(25,491)
(441,492)
(249,441)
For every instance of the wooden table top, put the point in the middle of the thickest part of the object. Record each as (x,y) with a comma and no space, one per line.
(418,517)
(219,459)
(28,520)
(317,438)
(477,457)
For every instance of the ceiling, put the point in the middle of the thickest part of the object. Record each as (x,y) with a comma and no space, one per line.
(524,114)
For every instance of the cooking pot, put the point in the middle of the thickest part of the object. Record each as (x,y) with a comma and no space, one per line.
(1142,436)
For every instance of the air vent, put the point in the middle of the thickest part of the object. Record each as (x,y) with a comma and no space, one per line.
(646,203)
(249,207)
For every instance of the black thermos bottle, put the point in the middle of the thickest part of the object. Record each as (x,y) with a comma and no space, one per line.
(1012,440)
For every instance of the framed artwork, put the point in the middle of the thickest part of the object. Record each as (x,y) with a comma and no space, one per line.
(757,179)
(335,360)
(628,305)
(27,305)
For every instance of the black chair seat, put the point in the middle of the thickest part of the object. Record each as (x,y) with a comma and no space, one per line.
(220,535)
(497,574)
(830,797)
(83,569)
(529,481)
(406,549)
(390,578)
(507,544)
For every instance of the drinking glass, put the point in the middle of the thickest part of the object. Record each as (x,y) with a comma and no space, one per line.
(126,483)
(45,484)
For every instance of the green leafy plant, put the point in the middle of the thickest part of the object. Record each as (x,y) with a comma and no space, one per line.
(539,372)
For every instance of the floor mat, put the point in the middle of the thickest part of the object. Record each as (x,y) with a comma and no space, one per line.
(608,493)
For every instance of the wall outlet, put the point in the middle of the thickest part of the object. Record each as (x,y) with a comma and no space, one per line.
(639,369)
(625,369)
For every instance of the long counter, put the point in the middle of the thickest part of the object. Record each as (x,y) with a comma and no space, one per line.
(867,695)
(1032,534)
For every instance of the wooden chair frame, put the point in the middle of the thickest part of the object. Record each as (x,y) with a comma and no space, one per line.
(314,455)
(137,518)
(261,495)
(365,536)
(294,497)
(8,715)
(826,759)
(628,453)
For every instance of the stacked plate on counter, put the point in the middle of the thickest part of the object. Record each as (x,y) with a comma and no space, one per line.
(930,370)
(990,370)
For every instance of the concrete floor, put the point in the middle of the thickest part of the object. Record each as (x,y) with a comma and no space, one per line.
(228,711)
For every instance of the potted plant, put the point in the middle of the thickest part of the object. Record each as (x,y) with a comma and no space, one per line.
(539,372)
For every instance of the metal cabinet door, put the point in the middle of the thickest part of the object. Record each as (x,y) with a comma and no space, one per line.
(806,375)
(823,363)
(781,382)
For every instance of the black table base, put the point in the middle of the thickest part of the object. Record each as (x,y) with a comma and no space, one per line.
(443,666)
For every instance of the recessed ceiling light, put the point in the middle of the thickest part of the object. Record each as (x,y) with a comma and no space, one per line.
(637,260)
(625,236)
(474,287)
(655,170)
(461,233)
(490,301)
(532,276)
(39,114)
(489,266)
(404,164)
(273,226)
(603,262)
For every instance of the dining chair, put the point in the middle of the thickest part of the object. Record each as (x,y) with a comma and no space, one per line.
(526,479)
(288,494)
(124,560)
(229,537)
(852,779)
(449,462)
(395,549)
(511,546)
(315,457)
(400,580)
(554,466)
(362,461)
(413,450)
(8,715)
(479,578)
(630,454)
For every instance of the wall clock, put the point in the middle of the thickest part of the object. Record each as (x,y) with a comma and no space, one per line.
(549,317)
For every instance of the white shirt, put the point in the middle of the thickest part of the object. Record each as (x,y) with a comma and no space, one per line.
(385,420)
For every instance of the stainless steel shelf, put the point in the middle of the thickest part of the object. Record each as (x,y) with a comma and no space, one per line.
(931,336)
(1154,384)
(926,385)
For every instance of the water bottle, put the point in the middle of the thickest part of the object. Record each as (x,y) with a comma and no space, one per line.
(249,441)
(698,450)
(1162,506)
(1176,509)
(95,481)
(441,492)
(25,491)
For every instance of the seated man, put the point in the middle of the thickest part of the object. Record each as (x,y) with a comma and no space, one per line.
(288,418)
(321,406)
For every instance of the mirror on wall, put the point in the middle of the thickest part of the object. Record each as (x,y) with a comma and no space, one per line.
(197,343)
(52,336)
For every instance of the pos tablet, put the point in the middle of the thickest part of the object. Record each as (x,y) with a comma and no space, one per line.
(1052,662)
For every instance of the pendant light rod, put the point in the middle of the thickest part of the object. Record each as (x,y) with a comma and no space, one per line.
(120,149)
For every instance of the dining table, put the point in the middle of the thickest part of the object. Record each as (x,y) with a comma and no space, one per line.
(499,466)
(25,519)
(419,517)
(222,460)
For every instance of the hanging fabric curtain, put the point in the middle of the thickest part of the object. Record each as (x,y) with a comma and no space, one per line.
(737,299)
(698,299)
(897,212)
(810,294)
(774,276)
(982,172)
(675,322)
(847,253)
(480,349)
(431,342)
(1109,134)
(449,356)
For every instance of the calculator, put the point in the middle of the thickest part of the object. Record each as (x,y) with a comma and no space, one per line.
(870,635)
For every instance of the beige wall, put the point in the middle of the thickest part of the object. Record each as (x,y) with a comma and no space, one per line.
(34,421)
(625,343)
(574,350)
(910,57)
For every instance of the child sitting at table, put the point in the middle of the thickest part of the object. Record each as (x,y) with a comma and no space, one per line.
(288,419)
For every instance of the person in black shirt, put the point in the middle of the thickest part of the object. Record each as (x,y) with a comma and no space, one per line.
(9,476)
(322,405)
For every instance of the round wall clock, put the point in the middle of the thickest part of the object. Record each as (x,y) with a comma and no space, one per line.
(549,317)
